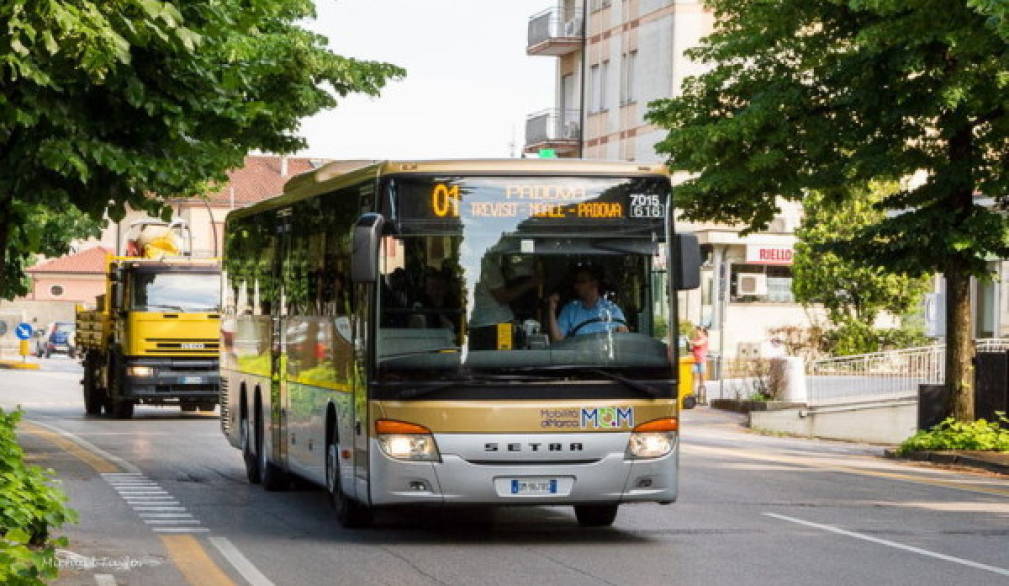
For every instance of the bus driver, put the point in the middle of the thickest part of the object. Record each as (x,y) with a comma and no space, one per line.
(590,313)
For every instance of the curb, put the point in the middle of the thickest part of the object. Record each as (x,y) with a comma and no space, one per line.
(952,458)
(17,365)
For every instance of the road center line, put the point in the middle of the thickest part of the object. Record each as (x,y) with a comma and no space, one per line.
(893,544)
(105,580)
(238,561)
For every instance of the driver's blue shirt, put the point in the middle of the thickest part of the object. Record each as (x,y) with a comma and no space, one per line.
(575,312)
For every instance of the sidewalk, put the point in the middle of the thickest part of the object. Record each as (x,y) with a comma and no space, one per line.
(991,461)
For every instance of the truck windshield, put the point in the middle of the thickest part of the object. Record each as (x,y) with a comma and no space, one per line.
(180,292)
(468,281)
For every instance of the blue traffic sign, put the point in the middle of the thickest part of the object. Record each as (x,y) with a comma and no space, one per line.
(23,331)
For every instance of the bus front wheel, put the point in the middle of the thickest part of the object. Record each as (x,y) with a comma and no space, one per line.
(350,513)
(596,515)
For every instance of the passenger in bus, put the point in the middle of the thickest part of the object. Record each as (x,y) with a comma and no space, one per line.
(588,313)
(493,295)
(437,307)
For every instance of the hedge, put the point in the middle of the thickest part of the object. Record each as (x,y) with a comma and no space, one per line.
(30,507)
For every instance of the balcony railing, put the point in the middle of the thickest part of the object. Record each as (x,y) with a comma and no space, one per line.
(555,31)
(558,129)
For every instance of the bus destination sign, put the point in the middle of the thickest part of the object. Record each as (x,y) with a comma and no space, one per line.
(547,200)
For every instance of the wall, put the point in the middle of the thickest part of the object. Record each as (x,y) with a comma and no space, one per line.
(881,423)
(76,288)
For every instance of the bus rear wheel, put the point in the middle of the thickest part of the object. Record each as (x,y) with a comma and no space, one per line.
(596,515)
(250,458)
(271,476)
(350,513)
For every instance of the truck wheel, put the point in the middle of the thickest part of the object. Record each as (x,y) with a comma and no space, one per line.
(92,395)
(122,409)
(271,476)
(349,512)
(251,461)
(596,515)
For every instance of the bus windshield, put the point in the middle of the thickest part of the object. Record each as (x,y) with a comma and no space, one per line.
(543,277)
(176,291)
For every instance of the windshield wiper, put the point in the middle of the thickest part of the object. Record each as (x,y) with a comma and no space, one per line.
(483,380)
(642,388)
(163,306)
(419,352)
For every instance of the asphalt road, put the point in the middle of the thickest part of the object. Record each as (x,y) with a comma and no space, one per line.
(753,510)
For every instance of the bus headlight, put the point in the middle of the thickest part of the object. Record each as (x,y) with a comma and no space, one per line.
(140,371)
(653,439)
(406,441)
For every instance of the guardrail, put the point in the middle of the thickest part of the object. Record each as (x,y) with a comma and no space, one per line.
(889,375)
(552,125)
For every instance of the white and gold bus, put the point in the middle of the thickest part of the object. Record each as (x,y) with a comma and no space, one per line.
(387,334)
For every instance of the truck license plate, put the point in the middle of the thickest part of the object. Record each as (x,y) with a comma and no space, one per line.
(534,486)
(192,380)
(192,346)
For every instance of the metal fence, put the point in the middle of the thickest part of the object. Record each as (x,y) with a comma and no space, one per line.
(555,23)
(553,124)
(881,376)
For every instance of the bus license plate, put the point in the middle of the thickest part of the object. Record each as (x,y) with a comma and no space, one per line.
(193,346)
(534,486)
(192,380)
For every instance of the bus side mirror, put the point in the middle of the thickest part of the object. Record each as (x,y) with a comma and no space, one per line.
(687,253)
(364,258)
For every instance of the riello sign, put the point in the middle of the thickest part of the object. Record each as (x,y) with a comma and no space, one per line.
(769,255)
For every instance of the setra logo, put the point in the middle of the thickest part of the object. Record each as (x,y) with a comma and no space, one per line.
(608,417)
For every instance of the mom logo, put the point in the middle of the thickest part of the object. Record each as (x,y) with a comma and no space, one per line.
(608,417)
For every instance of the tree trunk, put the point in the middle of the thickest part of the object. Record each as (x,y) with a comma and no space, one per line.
(959,345)
(5,209)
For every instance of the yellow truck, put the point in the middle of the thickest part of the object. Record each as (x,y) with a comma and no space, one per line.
(153,337)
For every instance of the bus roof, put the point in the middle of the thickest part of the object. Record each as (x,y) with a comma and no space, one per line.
(339,174)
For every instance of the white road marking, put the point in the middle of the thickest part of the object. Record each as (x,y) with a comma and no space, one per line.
(133,487)
(159,508)
(180,529)
(238,561)
(123,464)
(893,544)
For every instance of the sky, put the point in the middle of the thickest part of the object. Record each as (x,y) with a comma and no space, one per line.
(469,84)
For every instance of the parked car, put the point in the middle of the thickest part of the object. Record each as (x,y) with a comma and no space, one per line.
(57,337)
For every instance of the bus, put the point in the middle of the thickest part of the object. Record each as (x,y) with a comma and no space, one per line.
(388,333)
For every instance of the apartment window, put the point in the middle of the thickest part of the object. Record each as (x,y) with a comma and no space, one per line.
(604,74)
(596,89)
(627,78)
(56,290)
(599,4)
(761,283)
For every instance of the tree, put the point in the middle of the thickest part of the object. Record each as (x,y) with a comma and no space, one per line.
(816,94)
(109,104)
(853,292)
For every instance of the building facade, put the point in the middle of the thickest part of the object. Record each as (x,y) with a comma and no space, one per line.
(613,58)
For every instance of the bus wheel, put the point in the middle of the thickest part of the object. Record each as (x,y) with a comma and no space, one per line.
(251,461)
(350,513)
(271,476)
(689,402)
(596,515)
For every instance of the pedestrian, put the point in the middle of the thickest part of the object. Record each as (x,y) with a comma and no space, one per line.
(699,349)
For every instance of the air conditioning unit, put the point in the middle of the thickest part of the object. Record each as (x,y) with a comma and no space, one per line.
(751,284)
(573,27)
(572,130)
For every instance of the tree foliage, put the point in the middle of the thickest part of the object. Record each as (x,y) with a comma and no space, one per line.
(104,104)
(850,290)
(813,95)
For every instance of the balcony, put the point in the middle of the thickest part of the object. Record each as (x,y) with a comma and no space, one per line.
(559,130)
(555,31)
